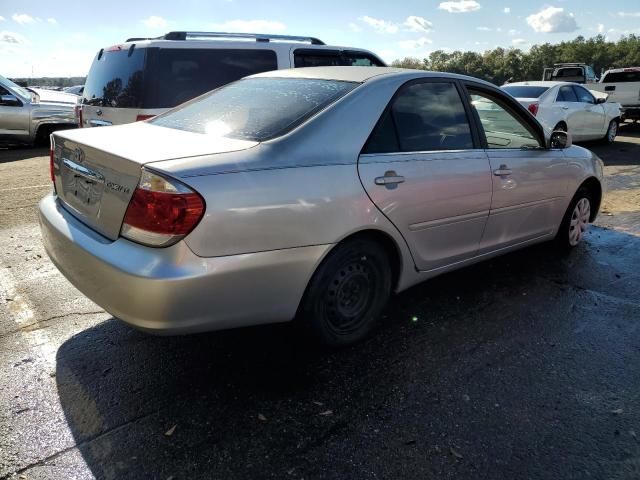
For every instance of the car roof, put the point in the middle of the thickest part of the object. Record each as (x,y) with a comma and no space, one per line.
(547,84)
(625,69)
(361,74)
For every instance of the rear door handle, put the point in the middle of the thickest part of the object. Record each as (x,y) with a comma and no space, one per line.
(391,179)
(502,171)
(565,108)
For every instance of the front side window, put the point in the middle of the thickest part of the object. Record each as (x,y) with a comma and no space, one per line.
(426,116)
(566,94)
(255,109)
(583,95)
(17,89)
(502,128)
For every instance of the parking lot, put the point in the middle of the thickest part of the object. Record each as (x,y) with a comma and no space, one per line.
(526,366)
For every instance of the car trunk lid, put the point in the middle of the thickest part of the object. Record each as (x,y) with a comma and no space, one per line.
(97,170)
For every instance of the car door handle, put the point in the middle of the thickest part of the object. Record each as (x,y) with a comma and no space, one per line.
(565,108)
(502,171)
(390,178)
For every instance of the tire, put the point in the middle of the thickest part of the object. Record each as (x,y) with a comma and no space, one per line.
(346,295)
(575,221)
(612,132)
(42,136)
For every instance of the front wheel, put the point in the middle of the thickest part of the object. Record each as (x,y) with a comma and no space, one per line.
(612,132)
(576,220)
(345,297)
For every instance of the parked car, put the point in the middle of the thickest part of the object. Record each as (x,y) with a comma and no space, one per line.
(144,77)
(569,107)
(308,195)
(30,115)
(76,89)
(570,72)
(623,86)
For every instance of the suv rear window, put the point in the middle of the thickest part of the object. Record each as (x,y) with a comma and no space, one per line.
(116,79)
(176,75)
(519,91)
(256,108)
(622,77)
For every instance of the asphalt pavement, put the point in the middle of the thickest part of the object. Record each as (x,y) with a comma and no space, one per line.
(526,366)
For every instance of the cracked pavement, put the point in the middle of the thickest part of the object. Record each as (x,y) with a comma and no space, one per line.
(526,366)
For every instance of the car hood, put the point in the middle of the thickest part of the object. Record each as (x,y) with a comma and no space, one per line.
(52,96)
(142,142)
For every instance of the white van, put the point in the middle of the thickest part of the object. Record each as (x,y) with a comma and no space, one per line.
(144,77)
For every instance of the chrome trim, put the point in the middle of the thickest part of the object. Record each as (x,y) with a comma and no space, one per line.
(83,171)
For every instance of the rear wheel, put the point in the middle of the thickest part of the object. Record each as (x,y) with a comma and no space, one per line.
(612,132)
(576,220)
(346,295)
(42,135)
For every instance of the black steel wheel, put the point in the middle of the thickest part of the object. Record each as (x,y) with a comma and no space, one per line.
(347,293)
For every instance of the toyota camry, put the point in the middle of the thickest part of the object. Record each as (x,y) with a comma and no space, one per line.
(307,195)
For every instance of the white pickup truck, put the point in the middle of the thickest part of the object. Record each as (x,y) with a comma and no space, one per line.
(623,86)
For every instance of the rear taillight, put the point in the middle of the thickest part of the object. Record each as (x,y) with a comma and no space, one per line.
(161,211)
(78,112)
(51,155)
(140,118)
(533,108)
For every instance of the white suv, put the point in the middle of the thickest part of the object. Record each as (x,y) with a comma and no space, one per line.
(144,77)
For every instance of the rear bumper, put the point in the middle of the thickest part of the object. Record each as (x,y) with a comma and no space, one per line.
(171,290)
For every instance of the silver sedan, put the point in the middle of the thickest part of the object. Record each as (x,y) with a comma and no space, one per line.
(307,195)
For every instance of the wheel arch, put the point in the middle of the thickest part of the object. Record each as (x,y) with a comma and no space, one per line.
(595,187)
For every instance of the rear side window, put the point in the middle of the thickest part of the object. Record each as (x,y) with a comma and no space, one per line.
(177,75)
(332,58)
(566,94)
(116,79)
(431,116)
(622,77)
(255,108)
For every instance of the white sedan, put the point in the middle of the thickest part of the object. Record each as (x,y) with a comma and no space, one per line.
(569,107)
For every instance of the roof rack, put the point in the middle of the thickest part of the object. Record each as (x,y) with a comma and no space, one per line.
(569,64)
(258,37)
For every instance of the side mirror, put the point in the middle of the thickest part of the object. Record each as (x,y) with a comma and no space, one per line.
(560,139)
(10,101)
(600,100)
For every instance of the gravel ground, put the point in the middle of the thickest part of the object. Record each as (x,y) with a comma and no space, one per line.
(526,366)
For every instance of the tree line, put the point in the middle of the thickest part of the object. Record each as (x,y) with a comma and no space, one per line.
(500,64)
(49,81)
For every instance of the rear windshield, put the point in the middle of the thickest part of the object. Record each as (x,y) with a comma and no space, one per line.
(166,77)
(622,77)
(116,79)
(519,91)
(569,72)
(256,108)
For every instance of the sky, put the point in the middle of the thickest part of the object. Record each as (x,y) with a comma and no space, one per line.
(61,37)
